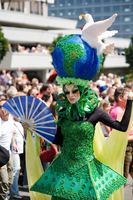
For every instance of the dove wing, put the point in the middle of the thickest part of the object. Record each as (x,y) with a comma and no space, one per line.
(107,34)
(99,27)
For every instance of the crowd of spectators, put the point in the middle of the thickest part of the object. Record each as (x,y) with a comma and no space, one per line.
(19,85)
(35,49)
(45,50)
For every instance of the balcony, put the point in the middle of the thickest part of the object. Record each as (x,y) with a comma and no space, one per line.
(27,61)
(33,61)
(12,18)
(115,62)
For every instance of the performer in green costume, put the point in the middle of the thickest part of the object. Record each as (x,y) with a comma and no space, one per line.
(76,173)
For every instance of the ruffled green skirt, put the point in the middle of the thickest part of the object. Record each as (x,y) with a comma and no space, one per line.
(93,181)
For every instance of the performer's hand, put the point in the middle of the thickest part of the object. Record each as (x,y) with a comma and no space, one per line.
(25,126)
(130,95)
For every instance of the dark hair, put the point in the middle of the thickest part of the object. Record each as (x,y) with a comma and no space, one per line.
(44,87)
(111,98)
(20,87)
(54,94)
(46,96)
(29,92)
(120,92)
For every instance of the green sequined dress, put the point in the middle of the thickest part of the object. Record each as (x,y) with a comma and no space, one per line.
(76,173)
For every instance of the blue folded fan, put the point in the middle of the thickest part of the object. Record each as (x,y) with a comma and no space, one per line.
(33,112)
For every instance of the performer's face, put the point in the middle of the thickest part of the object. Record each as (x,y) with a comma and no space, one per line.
(72,93)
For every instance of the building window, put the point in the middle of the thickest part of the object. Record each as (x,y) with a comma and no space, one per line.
(126,8)
(117,19)
(70,3)
(97,1)
(97,9)
(79,11)
(52,5)
(87,2)
(36,8)
(60,4)
(61,14)
(53,14)
(12,6)
(88,10)
(127,29)
(96,19)
(106,9)
(116,8)
(117,1)
(80,24)
(106,1)
(17,6)
(79,2)
(31,7)
(127,19)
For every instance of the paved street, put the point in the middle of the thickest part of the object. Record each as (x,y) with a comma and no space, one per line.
(128,191)
(24,193)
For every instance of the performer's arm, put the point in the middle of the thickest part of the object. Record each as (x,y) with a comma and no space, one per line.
(58,140)
(111,122)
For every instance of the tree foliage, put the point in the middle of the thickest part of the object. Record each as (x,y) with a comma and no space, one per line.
(3,45)
(53,44)
(129,54)
(129,60)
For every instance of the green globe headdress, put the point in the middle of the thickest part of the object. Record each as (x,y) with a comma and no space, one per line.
(76,62)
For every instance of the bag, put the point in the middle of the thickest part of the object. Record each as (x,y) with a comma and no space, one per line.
(4,156)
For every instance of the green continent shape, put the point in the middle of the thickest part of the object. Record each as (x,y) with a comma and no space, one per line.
(72,52)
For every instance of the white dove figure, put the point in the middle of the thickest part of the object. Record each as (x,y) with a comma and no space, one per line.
(94,32)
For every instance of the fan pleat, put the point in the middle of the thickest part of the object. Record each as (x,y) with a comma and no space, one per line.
(46,122)
(17,107)
(21,105)
(44,117)
(31,108)
(36,109)
(35,113)
(46,127)
(40,113)
(13,110)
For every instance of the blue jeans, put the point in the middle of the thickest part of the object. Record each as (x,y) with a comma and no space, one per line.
(14,189)
(45,165)
(25,181)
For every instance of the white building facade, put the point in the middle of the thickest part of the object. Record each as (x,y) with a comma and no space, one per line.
(25,23)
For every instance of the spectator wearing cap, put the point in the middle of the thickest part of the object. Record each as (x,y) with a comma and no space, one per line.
(102,89)
(33,49)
